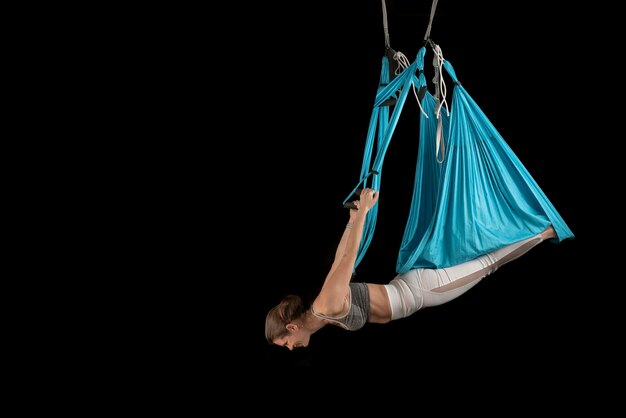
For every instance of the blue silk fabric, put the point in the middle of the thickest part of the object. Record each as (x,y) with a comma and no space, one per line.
(471,195)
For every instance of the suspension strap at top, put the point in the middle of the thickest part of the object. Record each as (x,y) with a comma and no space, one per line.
(386,25)
(430,22)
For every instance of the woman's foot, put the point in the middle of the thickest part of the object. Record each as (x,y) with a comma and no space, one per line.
(548,233)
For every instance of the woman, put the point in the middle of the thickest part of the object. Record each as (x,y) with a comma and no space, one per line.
(351,305)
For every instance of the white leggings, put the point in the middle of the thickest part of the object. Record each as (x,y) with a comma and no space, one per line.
(422,287)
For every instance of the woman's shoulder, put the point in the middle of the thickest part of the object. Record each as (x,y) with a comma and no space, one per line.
(333,306)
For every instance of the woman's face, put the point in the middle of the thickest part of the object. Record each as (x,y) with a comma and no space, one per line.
(296,337)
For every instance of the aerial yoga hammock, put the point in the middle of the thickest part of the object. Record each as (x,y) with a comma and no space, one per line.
(472,195)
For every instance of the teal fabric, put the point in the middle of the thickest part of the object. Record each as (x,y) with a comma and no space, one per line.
(381,128)
(476,197)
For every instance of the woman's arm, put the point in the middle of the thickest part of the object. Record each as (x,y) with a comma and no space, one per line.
(341,248)
(332,297)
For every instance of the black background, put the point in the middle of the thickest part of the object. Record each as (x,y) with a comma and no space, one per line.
(316,85)
(286,103)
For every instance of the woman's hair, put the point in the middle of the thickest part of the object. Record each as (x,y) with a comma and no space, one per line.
(288,310)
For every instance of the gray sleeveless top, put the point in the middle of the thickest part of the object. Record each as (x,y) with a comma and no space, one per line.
(359,310)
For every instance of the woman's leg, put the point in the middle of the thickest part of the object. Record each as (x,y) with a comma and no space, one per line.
(421,288)
(467,272)
(463,277)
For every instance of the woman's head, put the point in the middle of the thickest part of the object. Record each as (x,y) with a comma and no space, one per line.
(284,324)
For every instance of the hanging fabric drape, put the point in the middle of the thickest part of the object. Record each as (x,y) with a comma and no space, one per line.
(382,125)
(480,198)
(471,193)
(470,197)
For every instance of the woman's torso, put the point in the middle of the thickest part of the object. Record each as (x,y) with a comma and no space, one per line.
(380,308)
